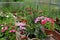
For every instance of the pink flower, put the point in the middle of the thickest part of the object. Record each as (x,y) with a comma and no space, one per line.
(43,22)
(39,18)
(21,28)
(2,30)
(36,20)
(12,31)
(47,19)
(42,17)
(6,28)
(51,20)
(20,24)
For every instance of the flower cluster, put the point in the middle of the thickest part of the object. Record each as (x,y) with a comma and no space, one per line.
(39,18)
(7,29)
(21,25)
(45,21)
(4,29)
(13,30)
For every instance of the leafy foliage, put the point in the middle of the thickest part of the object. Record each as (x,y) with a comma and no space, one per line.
(6,18)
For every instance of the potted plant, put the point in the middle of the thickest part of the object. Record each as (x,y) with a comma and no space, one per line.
(56,33)
(47,23)
(49,26)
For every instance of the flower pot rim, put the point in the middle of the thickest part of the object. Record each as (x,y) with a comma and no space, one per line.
(56,32)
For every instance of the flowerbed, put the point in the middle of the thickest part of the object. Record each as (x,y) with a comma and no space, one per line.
(28,22)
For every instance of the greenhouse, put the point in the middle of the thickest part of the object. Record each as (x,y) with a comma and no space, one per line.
(29,19)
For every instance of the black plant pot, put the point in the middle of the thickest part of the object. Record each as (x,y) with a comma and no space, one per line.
(31,36)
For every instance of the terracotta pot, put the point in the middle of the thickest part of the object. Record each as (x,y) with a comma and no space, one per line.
(48,32)
(56,35)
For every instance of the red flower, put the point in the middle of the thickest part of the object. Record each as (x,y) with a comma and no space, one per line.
(2,30)
(12,31)
(51,20)
(43,22)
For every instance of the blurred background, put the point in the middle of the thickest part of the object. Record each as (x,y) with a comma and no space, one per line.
(48,5)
